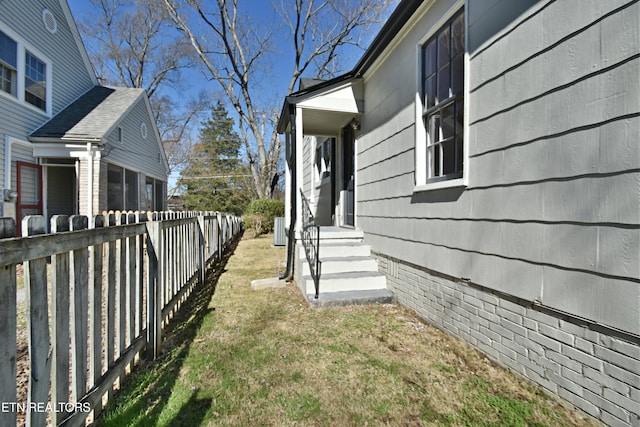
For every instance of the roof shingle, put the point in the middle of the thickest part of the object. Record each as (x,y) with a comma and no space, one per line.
(89,117)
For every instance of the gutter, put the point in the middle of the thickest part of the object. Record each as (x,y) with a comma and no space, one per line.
(398,19)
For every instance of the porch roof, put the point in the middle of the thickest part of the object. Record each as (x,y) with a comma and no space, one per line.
(326,107)
(318,119)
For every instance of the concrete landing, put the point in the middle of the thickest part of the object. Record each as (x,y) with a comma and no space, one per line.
(345,298)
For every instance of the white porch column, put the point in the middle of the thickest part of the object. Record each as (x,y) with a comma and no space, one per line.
(299,170)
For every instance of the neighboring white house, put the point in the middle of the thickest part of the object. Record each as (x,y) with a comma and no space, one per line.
(489,151)
(68,145)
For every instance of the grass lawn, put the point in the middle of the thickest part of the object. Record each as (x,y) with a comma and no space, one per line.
(242,358)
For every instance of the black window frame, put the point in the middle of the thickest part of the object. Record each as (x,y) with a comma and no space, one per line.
(444,153)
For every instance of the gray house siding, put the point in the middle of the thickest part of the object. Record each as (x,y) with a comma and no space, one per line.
(536,261)
(564,147)
(136,152)
(307,162)
(541,202)
(70,77)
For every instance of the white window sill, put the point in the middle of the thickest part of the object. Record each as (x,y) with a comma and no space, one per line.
(450,183)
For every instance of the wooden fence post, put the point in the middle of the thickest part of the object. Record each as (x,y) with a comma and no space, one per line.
(8,327)
(35,276)
(60,322)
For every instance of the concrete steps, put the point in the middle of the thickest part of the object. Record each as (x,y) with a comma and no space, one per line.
(343,264)
(349,275)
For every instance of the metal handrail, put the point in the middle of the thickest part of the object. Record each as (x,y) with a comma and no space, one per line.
(311,242)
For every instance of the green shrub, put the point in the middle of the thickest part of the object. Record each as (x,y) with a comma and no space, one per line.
(260,214)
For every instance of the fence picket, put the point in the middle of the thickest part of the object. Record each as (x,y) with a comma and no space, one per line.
(95,313)
(8,328)
(110,317)
(140,218)
(35,276)
(7,228)
(154,291)
(121,293)
(112,290)
(131,283)
(79,313)
(60,322)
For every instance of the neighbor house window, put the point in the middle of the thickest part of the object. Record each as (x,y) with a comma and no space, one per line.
(119,135)
(115,188)
(155,194)
(443,100)
(35,81)
(8,64)
(25,74)
(122,189)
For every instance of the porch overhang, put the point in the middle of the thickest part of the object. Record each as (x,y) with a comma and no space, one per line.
(325,108)
(63,149)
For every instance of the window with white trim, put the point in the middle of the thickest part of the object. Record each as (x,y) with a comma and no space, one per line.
(442,60)
(119,135)
(25,74)
(35,81)
(8,64)
(122,188)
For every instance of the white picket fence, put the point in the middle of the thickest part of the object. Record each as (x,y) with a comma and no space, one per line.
(95,299)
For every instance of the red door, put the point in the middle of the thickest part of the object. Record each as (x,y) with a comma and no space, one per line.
(29,192)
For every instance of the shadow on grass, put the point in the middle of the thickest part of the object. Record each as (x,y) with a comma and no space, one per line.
(147,390)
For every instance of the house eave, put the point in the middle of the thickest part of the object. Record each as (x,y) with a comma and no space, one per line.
(66,140)
(61,149)
(348,99)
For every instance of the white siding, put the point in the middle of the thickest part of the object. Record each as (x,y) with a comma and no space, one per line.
(70,77)
(552,209)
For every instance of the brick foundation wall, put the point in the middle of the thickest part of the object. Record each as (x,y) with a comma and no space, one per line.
(593,368)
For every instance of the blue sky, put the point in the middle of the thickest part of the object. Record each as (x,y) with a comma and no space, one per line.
(281,69)
(274,84)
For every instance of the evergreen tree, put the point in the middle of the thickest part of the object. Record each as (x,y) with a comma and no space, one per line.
(215,178)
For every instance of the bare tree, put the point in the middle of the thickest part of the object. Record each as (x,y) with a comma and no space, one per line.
(135,44)
(319,29)
(235,53)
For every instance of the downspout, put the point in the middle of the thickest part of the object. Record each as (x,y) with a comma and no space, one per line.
(288,274)
(7,162)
